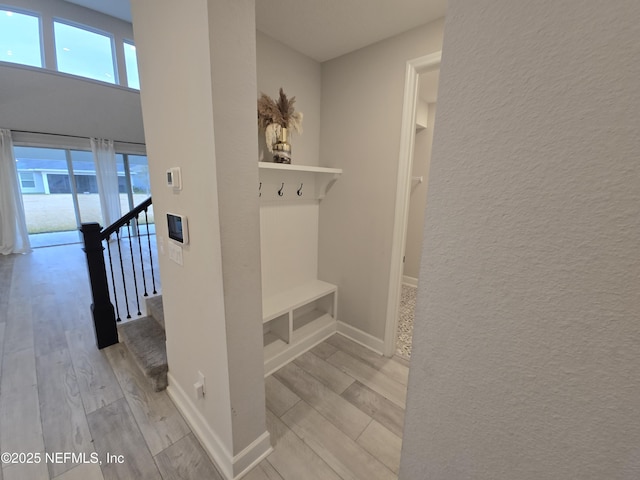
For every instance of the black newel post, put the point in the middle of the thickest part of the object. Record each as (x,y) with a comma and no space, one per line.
(104,319)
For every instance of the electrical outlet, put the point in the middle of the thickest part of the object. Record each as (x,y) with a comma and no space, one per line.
(199,386)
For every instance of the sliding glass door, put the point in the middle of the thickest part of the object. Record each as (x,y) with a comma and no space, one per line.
(48,195)
(135,185)
(60,191)
(85,186)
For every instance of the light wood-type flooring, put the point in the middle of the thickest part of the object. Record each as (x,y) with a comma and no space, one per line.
(335,412)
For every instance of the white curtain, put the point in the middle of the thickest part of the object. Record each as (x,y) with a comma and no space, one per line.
(14,237)
(107,177)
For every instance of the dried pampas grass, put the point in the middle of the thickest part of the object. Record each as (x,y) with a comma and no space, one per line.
(280,112)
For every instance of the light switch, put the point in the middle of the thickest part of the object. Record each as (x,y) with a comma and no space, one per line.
(175,253)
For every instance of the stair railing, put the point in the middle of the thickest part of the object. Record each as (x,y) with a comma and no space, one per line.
(128,245)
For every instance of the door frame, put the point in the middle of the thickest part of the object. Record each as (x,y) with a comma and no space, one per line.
(414,69)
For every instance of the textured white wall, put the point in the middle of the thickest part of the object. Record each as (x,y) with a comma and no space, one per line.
(527,340)
(362,95)
(280,66)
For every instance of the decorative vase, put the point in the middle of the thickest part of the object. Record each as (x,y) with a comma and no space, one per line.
(282,148)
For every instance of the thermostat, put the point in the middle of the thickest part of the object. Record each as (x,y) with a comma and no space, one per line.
(178,228)
(173,178)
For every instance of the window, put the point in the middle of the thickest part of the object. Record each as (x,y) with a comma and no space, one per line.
(85,53)
(20,38)
(27,180)
(131,63)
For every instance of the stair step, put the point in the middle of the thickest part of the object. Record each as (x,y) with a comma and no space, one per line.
(146,341)
(155,309)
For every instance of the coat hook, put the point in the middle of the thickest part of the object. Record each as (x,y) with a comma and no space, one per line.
(280,192)
(300,190)
(260,190)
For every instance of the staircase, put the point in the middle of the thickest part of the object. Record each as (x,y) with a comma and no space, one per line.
(145,338)
(127,249)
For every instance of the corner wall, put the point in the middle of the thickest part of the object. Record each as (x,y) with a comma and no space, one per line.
(362,96)
(280,66)
(200,116)
(526,341)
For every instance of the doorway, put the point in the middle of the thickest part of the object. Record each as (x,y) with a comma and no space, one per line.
(414,69)
(425,116)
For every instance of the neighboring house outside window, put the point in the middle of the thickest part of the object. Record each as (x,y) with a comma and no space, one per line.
(27,182)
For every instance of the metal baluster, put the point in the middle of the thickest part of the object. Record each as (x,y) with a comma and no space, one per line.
(153,277)
(113,280)
(133,267)
(124,282)
(144,279)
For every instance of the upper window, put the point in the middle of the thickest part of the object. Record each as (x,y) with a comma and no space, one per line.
(84,52)
(131,63)
(20,38)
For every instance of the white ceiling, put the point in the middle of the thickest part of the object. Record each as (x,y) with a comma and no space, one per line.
(321,29)
(327,29)
(116,8)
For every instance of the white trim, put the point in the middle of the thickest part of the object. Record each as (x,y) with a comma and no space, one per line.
(70,142)
(251,456)
(412,282)
(360,337)
(403,189)
(231,467)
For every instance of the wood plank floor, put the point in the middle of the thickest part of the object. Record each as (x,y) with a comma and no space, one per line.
(336,412)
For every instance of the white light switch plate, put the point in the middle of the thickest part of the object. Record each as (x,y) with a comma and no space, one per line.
(175,253)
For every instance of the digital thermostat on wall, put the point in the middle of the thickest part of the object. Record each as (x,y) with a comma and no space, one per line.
(173,178)
(178,228)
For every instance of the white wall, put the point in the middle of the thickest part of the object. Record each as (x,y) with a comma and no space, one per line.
(232,23)
(526,343)
(289,238)
(418,200)
(280,66)
(362,96)
(42,100)
(200,116)
(36,100)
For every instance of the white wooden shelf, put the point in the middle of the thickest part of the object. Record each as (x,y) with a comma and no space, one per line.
(283,302)
(298,168)
(281,181)
(296,320)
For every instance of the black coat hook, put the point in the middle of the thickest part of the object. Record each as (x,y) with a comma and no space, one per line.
(260,190)
(280,192)
(300,190)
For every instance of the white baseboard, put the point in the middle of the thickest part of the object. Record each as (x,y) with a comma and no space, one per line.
(363,338)
(413,282)
(231,467)
(251,456)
